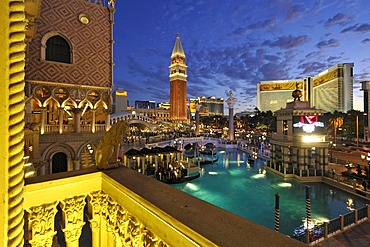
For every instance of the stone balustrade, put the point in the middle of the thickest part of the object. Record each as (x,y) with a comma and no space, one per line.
(125,208)
(69,128)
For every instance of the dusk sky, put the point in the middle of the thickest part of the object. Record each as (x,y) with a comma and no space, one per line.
(234,44)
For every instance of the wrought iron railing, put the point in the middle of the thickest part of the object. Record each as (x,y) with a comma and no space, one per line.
(334,225)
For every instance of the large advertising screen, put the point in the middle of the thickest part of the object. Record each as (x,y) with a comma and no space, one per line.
(308,124)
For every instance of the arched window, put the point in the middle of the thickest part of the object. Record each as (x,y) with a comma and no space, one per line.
(58,50)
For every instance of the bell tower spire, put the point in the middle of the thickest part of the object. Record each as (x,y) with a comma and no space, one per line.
(178,75)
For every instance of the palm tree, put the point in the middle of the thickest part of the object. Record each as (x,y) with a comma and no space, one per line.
(336,122)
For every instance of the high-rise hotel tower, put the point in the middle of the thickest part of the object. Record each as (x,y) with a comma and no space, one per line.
(330,90)
(178,109)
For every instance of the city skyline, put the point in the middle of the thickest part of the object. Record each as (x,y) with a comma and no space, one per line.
(232,45)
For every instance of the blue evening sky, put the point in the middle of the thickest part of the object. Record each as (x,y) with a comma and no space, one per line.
(234,44)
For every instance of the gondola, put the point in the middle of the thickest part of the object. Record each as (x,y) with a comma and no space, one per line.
(181,180)
(208,161)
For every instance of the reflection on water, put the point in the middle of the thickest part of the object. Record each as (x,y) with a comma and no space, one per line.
(249,191)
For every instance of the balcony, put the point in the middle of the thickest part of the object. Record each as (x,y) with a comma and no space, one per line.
(125,208)
(69,128)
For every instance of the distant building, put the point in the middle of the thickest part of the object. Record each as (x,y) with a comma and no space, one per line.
(244,114)
(273,95)
(366,89)
(159,114)
(164,105)
(146,104)
(330,90)
(210,106)
(119,100)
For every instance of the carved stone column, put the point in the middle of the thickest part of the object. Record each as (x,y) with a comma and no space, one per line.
(93,111)
(60,120)
(43,121)
(197,108)
(28,112)
(121,228)
(77,119)
(76,163)
(111,215)
(107,119)
(12,63)
(41,224)
(96,204)
(73,219)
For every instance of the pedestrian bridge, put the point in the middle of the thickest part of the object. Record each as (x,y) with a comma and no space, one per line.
(139,120)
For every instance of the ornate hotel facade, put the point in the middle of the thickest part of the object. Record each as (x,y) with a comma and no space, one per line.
(117,207)
(69,77)
(330,90)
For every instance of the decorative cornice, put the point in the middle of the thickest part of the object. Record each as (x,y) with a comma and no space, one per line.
(60,84)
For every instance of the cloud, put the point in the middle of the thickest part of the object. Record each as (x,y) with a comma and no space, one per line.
(363,28)
(239,31)
(314,54)
(338,19)
(334,59)
(366,41)
(273,71)
(294,12)
(266,24)
(287,42)
(312,68)
(328,43)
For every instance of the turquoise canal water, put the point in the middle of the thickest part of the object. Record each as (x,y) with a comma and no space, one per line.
(242,188)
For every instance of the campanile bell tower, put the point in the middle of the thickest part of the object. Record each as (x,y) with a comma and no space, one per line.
(178,110)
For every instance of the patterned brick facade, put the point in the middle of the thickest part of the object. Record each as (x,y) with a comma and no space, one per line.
(91,44)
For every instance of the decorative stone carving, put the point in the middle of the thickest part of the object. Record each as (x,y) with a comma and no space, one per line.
(77,94)
(122,223)
(60,94)
(111,213)
(125,227)
(33,126)
(93,96)
(41,225)
(42,93)
(106,155)
(73,217)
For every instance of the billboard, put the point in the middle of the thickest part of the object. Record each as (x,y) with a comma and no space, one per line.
(308,124)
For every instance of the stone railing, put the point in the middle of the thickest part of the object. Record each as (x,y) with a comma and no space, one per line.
(125,208)
(69,128)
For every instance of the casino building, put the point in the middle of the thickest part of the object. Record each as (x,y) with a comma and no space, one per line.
(209,106)
(330,90)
